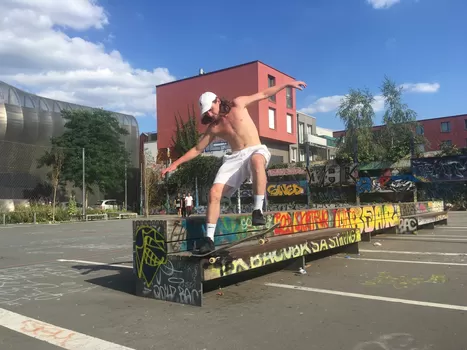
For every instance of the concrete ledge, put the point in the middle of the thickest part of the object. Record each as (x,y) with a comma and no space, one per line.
(165,269)
(96,216)
(179,277)
(410,224)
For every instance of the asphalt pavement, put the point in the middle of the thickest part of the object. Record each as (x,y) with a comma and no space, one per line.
(71,286)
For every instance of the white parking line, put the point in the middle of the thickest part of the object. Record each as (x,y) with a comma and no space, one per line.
(369,297)
(406,261)
(95,263)
(411,253)
(440,236)
(422,238)
(61,337)
(454,227)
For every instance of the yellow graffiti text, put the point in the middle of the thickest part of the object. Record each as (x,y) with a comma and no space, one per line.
(336,241)
(285,190)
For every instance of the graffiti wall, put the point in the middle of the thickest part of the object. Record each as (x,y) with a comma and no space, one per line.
(408,209)
(330,173)
(282,254)
(160,276)
(332,195)
(453,168)
(183,236)
(453,192)
(395,183)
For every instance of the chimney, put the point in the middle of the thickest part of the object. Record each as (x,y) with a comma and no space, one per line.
(201,71)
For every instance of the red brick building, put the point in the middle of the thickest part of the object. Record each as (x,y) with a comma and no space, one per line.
(452,129)
(275,117)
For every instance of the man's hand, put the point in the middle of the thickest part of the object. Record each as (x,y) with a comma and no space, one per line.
(169,169)
(300,85)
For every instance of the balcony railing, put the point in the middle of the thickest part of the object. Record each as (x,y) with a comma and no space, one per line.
(313,139)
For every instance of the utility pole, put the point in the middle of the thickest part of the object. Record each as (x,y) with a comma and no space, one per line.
(84,185)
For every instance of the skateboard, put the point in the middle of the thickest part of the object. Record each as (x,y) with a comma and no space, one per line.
(216,251)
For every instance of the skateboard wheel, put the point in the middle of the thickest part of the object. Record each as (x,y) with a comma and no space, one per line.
(212,260)
(262,241)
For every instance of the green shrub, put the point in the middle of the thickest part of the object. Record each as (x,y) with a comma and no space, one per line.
(25,214)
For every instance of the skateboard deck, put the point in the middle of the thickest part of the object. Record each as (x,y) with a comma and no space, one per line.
(216,251)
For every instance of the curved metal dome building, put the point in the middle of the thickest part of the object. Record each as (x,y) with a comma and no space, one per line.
(27,122)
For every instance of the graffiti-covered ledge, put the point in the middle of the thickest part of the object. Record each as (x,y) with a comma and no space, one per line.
(165,269)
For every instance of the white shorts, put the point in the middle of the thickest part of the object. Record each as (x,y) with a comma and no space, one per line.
(236,167)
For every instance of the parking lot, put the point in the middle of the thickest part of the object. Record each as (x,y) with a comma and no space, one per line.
(70,286)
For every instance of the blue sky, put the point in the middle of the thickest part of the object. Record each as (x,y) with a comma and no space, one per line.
(333,45)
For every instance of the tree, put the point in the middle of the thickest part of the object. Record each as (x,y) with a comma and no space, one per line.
(99,133)
(202,167)
(54,159)
(399,135)
(356,112)
(152,178)
(447,149)
(187,134)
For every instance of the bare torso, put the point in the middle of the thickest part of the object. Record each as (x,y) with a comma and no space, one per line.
(237,128)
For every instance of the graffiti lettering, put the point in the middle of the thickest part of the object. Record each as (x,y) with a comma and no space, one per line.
(301,221)
(150,252)
(340,240)
(282,254)
(408,209)
(45,331)
(397,183)
(368,218)
(286,189)
(407,225)
(453,168)
(163,277)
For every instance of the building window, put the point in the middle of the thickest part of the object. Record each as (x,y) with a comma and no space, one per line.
(293,156)
(309,129)
(289,123)
(446,127)
(272,118)
(465,123)
(271,83)
(289,97)
(420,130)
(302,155)
(301,132)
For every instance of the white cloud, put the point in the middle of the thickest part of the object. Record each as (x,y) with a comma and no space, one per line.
(38,55)
(331,103)
(382,4)
(378,104)
(421,87)
(323,105)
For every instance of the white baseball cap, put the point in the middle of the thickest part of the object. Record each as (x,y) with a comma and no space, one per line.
(206,100)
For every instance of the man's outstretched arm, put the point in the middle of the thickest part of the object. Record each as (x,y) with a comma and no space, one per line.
(206,139)
(244,101)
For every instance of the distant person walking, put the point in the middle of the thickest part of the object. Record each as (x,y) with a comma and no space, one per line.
(178,204)
(189,204)
(183,206)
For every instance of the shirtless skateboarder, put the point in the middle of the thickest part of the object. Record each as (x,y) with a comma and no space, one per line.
(231,121)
